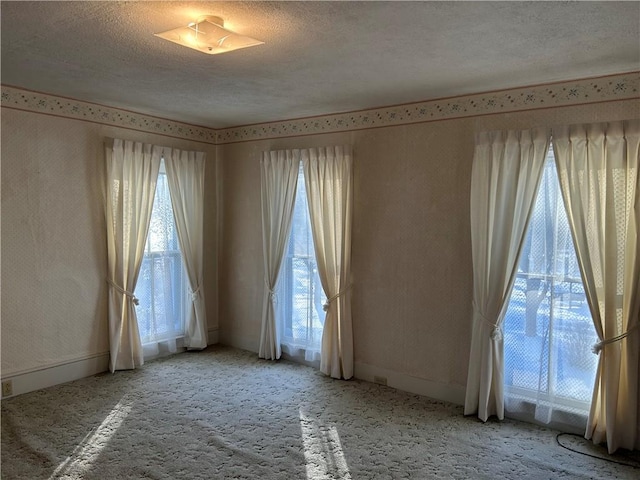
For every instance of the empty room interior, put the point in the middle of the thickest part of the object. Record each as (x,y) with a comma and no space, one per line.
(320,239)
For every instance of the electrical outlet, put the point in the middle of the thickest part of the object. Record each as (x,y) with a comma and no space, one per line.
(7,388)
(380,380)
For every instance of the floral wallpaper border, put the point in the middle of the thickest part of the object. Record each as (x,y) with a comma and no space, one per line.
(17,98)
(603,89)
(595,90)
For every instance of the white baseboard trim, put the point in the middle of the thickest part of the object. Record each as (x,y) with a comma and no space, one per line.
(37,379)
(92,365)
(213,336)
(407,383)
(242,342)
(61,373)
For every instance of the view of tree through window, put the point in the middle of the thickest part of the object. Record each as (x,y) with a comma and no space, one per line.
(548,330)
(300,294)
(161,287)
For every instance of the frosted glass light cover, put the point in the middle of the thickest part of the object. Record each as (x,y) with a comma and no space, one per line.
(207,35)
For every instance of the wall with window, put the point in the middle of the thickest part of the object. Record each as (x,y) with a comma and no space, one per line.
(54,294)
(411,241)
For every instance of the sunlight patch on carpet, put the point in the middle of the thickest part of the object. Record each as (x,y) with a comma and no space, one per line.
(85,454)
(323,454)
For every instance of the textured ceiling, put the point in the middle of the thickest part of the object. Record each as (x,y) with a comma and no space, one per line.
(318,57)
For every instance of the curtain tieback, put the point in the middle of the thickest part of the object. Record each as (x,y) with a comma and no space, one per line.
(133,298)
(194,293)
(326,304)
(496,332)
(597,348)
(273,295)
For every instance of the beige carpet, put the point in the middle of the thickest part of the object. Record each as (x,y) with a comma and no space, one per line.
(223,413)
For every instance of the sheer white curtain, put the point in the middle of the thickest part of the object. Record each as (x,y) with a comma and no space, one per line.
(162,282)
(329,181)
(548,331)
(507,168)
(300,313)
(279,177)
(185,175)
(599,170)
(132,171)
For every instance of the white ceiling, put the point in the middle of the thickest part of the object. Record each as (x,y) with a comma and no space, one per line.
(318,57)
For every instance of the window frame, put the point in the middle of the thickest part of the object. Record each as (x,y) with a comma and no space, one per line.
(314,297)
(178,330)
(548,397)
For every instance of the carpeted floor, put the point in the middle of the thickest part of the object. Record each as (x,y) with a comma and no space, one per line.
(222,413)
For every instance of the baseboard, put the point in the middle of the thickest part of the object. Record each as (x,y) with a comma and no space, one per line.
(62,373)
(407,383)
(242,342)
(92,365)
(213,336)
(69,371)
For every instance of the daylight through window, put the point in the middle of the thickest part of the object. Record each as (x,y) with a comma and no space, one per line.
(161,287)
(300,294)
(548,331)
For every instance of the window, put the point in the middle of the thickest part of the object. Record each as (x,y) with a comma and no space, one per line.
(162,285)
(300,292)
(548,331)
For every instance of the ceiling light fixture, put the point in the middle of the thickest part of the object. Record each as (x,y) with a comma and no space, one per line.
(208,35)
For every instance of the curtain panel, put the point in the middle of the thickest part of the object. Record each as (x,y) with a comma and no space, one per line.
(279,178)
(506,172)
(131,174)
(599,170)
(185,175)
(328,176)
